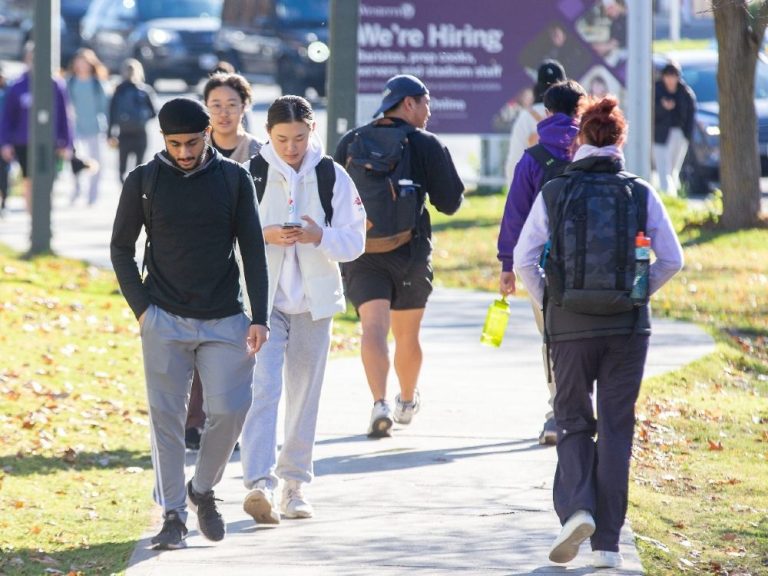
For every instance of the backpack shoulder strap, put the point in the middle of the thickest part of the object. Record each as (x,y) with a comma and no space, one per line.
(540,154)
(326,180)
(149,174)
(258,168)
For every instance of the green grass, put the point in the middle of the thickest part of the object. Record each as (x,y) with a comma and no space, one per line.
(699,496)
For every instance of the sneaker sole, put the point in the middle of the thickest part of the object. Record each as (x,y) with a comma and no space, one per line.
(258,507)
(161,546)
(568,549)
(298,515)
(380,428)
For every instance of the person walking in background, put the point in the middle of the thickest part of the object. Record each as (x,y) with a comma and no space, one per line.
(5,167)
(524,134)
(227,96)
(305,291)
(390,284)
(598,335)
(88,96)
(557,135)
(189,306)
(14,125)
(130,109)
(674,106)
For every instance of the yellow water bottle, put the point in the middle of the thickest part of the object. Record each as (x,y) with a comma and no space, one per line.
(495,322)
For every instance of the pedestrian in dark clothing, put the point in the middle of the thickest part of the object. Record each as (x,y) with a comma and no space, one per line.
(674,108)
(194,205)
(557,134)
(130,109)
(391,288)
(609,351)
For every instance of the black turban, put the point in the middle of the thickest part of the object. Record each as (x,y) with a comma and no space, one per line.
(183,116)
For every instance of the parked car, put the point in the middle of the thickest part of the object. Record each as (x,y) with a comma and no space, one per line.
(286,40)
(701,169)
(16,23)
(171,39)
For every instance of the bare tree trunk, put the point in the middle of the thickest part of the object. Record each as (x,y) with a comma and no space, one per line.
(739,35)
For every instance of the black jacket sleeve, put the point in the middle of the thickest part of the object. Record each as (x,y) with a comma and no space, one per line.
(251,241)
(125,231)
(441,180)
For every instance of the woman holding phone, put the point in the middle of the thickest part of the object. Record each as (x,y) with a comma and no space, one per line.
(305,243)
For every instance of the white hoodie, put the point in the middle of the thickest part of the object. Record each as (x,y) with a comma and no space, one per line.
(305,277)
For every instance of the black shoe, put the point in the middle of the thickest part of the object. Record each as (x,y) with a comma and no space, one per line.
(171,537)
(209,521)
(192,438)
(548,434)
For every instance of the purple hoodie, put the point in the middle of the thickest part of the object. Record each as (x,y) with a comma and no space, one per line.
(14,124)
(556,133)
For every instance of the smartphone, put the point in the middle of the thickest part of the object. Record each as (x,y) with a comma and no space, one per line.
(292,225)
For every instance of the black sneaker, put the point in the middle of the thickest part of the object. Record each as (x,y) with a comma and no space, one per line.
(548,434)
(192,438)
(209,521)
(171,537)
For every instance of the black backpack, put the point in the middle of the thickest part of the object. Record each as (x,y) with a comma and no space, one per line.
(589,260)
(378,160)
(551,165)
(133,109)
(326,180)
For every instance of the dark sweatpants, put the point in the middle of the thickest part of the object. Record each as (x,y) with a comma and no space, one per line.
(593,474)
(131,143)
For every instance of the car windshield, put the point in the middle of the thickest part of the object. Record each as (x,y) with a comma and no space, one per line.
(702,78)
(152,9)
(302,10)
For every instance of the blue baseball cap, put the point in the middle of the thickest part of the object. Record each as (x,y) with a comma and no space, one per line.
(399,87)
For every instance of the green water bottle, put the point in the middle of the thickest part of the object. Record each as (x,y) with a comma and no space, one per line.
(495,323)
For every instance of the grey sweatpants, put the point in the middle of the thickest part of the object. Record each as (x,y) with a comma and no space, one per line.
(301,345)
(173,346)
(549,373)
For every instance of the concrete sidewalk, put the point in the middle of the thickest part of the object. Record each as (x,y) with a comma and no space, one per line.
(465,489)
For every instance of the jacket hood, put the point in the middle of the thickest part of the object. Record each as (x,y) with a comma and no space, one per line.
(311,158)
(557,133)
(596,164)
(212,158)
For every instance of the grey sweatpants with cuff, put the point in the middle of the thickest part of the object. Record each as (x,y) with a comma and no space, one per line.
(173,346)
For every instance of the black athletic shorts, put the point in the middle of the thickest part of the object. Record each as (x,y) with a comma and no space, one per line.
(393,276)
(20,151)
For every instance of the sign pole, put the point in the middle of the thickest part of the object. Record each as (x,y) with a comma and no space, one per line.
(342,70)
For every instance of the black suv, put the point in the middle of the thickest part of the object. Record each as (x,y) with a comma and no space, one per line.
(171,38)
(286,40)
(701,169)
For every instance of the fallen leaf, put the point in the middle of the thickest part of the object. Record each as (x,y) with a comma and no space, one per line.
(715,446)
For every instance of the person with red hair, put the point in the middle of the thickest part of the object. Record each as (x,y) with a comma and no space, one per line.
(595,344)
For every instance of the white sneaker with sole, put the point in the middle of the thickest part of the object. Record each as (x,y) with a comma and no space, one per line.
(606,559)
(381,420)
(576,529)
(294,504)
(404,411)
(260,504)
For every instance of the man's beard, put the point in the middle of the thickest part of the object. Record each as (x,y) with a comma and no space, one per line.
(197,164)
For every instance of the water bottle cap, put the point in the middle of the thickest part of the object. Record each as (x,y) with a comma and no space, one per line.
(642,241)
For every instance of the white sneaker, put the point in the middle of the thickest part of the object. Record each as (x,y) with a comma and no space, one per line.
(381,420)
(293,504)
(606,559)
(576,529)
(260,504)
(404,411)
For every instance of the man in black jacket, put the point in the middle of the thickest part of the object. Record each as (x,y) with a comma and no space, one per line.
(674,109)
(193,204)
(390,289)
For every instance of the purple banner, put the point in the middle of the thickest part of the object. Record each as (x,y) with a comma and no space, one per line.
(479,58)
